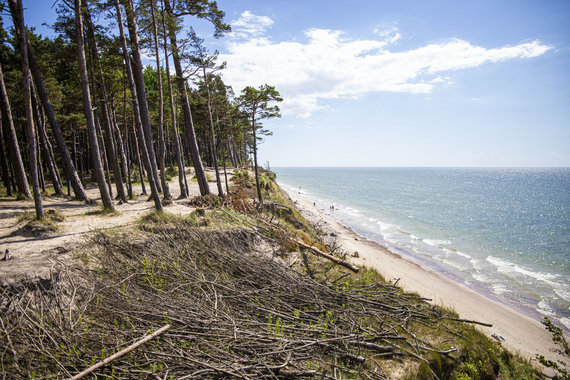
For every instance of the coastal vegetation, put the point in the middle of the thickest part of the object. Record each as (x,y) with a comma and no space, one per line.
(241,298)
(240,285)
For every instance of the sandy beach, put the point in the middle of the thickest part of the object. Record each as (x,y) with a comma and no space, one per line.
(522,334)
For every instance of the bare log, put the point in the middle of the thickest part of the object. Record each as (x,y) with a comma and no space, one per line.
(373,346)
(120,353)
(471,321)
(332,258)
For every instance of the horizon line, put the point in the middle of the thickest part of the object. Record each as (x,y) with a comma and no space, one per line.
(421,166)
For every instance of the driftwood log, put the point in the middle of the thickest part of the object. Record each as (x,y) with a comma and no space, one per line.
(332,258)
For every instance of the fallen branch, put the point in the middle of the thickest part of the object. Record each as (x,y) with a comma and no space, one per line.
(373,346)
(332,258)
(120,353)
(471,321)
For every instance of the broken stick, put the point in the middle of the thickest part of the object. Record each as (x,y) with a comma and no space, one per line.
(120,353)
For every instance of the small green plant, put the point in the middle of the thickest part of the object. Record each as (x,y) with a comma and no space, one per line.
(54,215)
(40,226)
(25,216)
(171,171)
(103,211)
(212,199)
(278,327)
(558,338)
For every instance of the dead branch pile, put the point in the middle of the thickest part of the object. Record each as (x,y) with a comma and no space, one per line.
(233,313)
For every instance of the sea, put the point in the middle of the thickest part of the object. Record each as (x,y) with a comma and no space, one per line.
(504,232)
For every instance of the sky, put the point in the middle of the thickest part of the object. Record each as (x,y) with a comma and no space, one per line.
(400,83)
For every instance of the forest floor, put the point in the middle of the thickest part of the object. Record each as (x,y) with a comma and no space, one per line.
(33,252)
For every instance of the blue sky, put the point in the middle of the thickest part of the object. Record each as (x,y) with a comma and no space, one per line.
(402,83)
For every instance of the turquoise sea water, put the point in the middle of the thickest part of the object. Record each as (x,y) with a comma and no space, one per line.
(504,232)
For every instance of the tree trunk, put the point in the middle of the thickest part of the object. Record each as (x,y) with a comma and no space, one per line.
(5,169)
(126,154)
(104,158)
(68,166)
(18,16)
(230,150)
(213,134)
(44,147)
(161,142)
(12,142)
(121,149)
(224,160)
(88,109)
(191,134)
(39,163)
(255,159)
(179,153)
(110,150)
(50,149)
(147,155)
(137,70)
(139,163)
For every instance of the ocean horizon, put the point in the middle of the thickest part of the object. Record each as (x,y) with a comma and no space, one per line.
(503,232)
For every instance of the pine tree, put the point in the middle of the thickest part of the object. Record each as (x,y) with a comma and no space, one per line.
(88,109)
(255,103)
(18,16)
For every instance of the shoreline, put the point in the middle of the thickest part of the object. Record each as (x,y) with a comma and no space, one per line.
(522,333)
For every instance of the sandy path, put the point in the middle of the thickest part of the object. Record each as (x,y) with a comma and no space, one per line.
(522,333)
(34,256)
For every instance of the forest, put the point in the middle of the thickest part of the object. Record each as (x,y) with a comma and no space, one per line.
(82,107)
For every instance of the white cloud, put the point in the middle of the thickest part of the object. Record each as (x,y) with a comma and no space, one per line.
(390,34)
(329,65)
(250,25)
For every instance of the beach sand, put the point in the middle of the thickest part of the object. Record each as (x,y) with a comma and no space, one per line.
(522,334)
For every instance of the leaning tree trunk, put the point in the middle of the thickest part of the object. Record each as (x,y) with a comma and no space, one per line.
(191,134)
(12,142)
(5,169)
(94,144)
(39,163)
(137,70)
(68,167)
(121,150)
(147,155)
(213,134)
(18,16)
(124,144)
(45,149)
(50,150)
(179,153)
(138,155)
(161,142)
(104,158)
(110,149)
